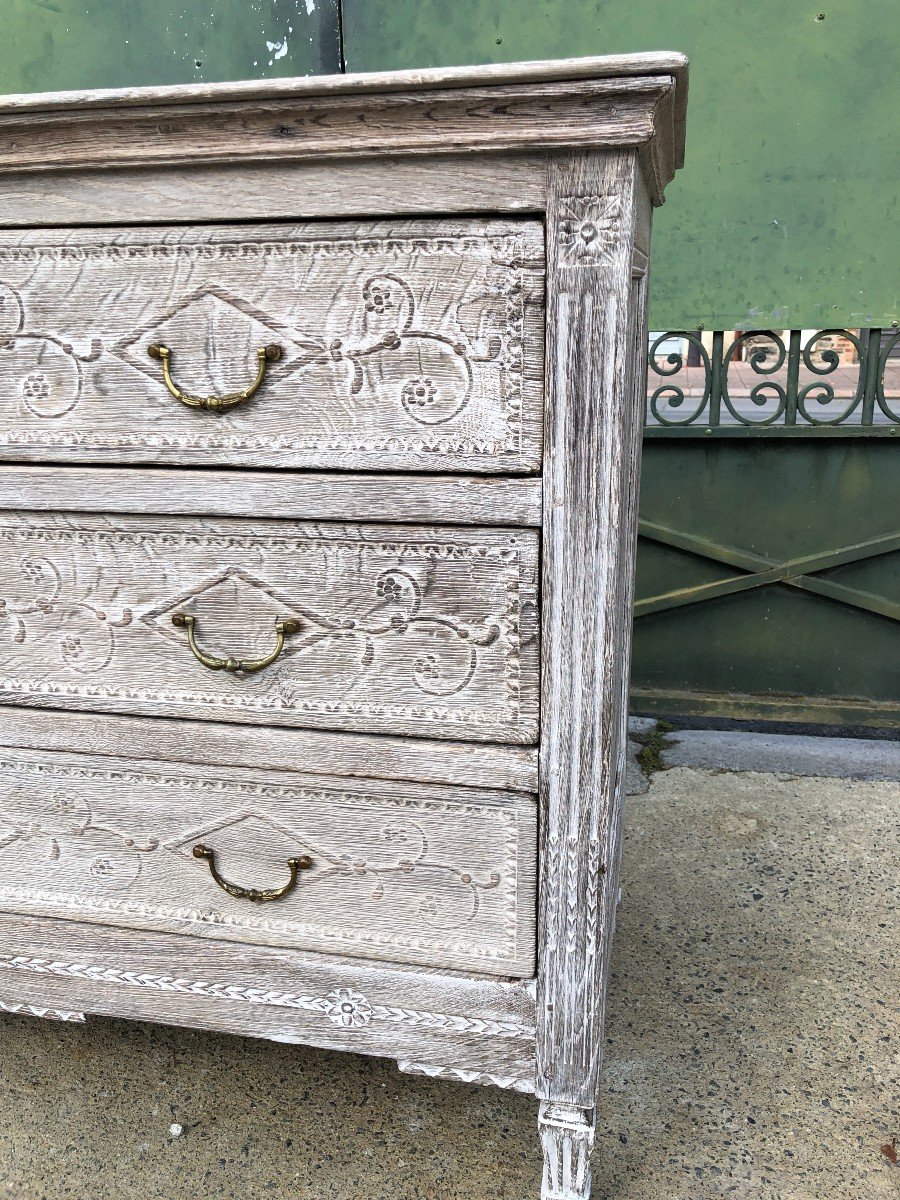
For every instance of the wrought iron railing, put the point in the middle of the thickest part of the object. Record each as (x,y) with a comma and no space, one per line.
(769,383)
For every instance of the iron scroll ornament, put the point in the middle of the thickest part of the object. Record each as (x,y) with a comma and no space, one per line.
(258,895)
(216,404)
(862,402)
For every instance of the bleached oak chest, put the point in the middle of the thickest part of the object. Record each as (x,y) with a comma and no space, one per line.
(320,420)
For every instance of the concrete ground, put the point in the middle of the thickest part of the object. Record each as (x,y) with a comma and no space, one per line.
(752,1034)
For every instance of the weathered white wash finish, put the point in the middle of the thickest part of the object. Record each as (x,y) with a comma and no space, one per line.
(324,752)
(402,872)
(266,191)
(403,345)
(301,496)
(487,225)
(634,100)
(591,479)
(401,628)
(478,1023)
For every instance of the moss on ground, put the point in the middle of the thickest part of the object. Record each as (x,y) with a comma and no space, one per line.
(650,756)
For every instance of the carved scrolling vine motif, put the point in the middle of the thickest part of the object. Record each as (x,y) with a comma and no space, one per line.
(396,611)
(422,399)
(425,365)
(44,811)
(56,820)
(53,385)
(70,587)
(36,591)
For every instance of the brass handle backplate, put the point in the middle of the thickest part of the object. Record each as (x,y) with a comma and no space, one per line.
(217,404)
(258,895)
(283,628)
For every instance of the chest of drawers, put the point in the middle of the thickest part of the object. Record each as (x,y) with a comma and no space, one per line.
(320,415)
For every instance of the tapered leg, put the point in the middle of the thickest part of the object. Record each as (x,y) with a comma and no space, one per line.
(594,400)
(567,1137)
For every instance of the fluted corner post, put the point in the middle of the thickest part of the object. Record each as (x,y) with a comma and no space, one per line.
(567,1139)
(595,397)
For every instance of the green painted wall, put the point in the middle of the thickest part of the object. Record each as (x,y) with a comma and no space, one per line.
(54,45)
(785,213)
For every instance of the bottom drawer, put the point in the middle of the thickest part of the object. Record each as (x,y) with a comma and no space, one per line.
(400,872)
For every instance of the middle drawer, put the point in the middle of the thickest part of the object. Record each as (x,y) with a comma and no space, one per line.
(377,628)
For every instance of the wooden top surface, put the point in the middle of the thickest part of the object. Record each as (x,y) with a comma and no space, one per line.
(600,67)
(660,62)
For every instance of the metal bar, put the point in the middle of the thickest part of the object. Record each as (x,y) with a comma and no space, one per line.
(873,355)
(704,591)
(792,572)
(772,431)
(715,380)
(852,597)
(793,379)
(847,595)
(746,560)
(814,710)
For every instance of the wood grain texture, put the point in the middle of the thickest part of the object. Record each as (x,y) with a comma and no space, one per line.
(422,185)
(431,1017)
(402,872)
(543,113)
(402,629)
(590,487)
(643,216)
(424,760)
(546,115)
(47,1014)
(404,345)
(310,496)
(599,67)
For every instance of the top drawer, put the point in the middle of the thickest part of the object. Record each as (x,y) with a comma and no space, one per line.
(415,345)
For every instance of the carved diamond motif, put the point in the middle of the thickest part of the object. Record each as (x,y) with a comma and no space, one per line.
(214,336)
(238,613)
(243,829)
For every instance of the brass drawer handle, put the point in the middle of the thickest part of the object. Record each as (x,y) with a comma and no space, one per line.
(283,628)
(219,404)
(303,863)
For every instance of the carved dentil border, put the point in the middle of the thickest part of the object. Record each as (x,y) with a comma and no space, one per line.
(48,1014)
(509,1082)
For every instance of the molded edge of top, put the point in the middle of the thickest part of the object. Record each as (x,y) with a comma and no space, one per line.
(538,72)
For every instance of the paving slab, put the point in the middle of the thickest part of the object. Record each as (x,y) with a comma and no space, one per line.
(751,1044)
(843,758)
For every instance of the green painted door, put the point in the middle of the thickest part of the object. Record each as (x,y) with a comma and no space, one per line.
(716,634)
